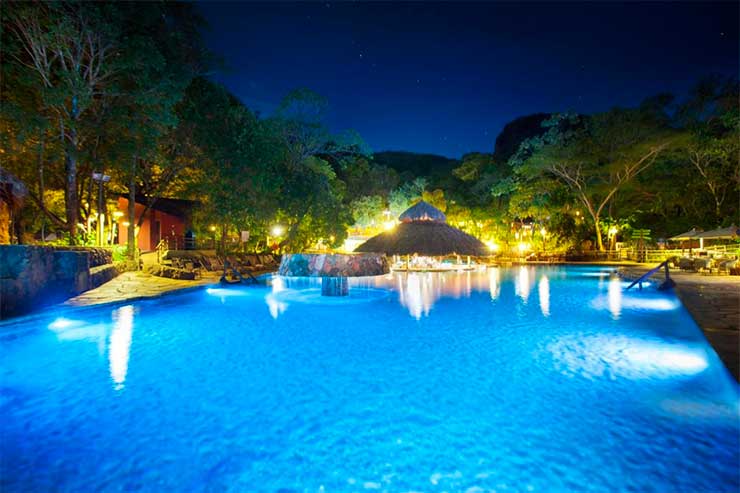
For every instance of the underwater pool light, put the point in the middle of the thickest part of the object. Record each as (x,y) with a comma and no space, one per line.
(224,292)
(627,357)
(62,323)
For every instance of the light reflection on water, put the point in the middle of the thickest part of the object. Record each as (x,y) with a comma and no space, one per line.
(494,286)
(418,292)
(544,292)
(407,384)
(522,283)
(120,344)
(615,297)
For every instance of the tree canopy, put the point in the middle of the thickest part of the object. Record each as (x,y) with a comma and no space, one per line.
(86,89)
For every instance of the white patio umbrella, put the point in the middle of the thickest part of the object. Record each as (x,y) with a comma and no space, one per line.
(688,235)
(728,233)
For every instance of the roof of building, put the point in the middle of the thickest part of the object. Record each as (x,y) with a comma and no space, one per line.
(422,211)
(174,207)
(424,237)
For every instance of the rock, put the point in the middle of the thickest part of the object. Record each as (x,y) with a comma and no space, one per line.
(333,265)
(32,277)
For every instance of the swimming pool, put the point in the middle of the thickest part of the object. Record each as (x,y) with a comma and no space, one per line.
(550,379)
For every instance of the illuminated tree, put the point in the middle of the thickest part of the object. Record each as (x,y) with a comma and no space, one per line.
(595,157)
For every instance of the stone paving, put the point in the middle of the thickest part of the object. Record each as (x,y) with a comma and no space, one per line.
(131,286)
(714,303)
(136,285)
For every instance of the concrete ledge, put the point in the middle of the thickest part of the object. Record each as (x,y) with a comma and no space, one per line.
(101,274)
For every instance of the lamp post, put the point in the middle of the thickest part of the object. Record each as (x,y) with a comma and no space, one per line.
(101,178)
(276,232)
(613,237)
(212,229)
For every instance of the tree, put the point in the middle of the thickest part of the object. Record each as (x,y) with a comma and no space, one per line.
(312,197)
(436,198)
(712,117)
(238,154)
(405,196)
(595,157)
(71,48)
(367,211)
(101,79)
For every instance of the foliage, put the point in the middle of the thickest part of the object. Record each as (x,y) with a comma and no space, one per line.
(120,88)
(90,86)
(596,157)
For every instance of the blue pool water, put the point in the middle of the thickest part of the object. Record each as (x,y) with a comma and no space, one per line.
(546,379)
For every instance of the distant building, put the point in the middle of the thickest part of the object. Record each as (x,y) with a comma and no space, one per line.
(167,219)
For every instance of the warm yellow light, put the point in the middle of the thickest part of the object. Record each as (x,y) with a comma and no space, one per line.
(493,246)
(277,230)
(543,231)
(613,230)
(126,223)
(523,247)
(212,228)
(117,214)
(388,225)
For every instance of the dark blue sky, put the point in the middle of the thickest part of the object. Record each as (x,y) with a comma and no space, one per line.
(445,78)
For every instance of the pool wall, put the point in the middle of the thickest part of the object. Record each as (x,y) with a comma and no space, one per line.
(35,276)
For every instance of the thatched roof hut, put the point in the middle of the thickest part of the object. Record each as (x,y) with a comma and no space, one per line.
(423,230)
(422,211)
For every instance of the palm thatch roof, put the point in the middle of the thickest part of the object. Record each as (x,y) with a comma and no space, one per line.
(422,211)
(424,237)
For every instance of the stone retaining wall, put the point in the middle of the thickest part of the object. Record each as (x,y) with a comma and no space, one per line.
(35,276)
(333,265)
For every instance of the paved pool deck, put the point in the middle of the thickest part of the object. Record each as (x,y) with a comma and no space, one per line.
(132,286)
(714,303)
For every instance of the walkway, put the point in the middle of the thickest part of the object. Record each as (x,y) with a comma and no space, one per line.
(131,286)
(714,304)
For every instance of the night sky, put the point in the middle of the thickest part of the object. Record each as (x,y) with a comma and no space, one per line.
(444,78)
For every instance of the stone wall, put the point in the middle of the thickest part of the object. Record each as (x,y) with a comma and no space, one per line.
(333,265)
(35,276)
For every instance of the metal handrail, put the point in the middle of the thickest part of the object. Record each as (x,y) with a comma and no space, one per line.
(652,271)
(162,248)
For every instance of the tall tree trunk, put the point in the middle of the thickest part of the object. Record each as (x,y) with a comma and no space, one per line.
(131,230)
(70,196)
(42,144)
(599,240)
(70,189)
(70,169)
